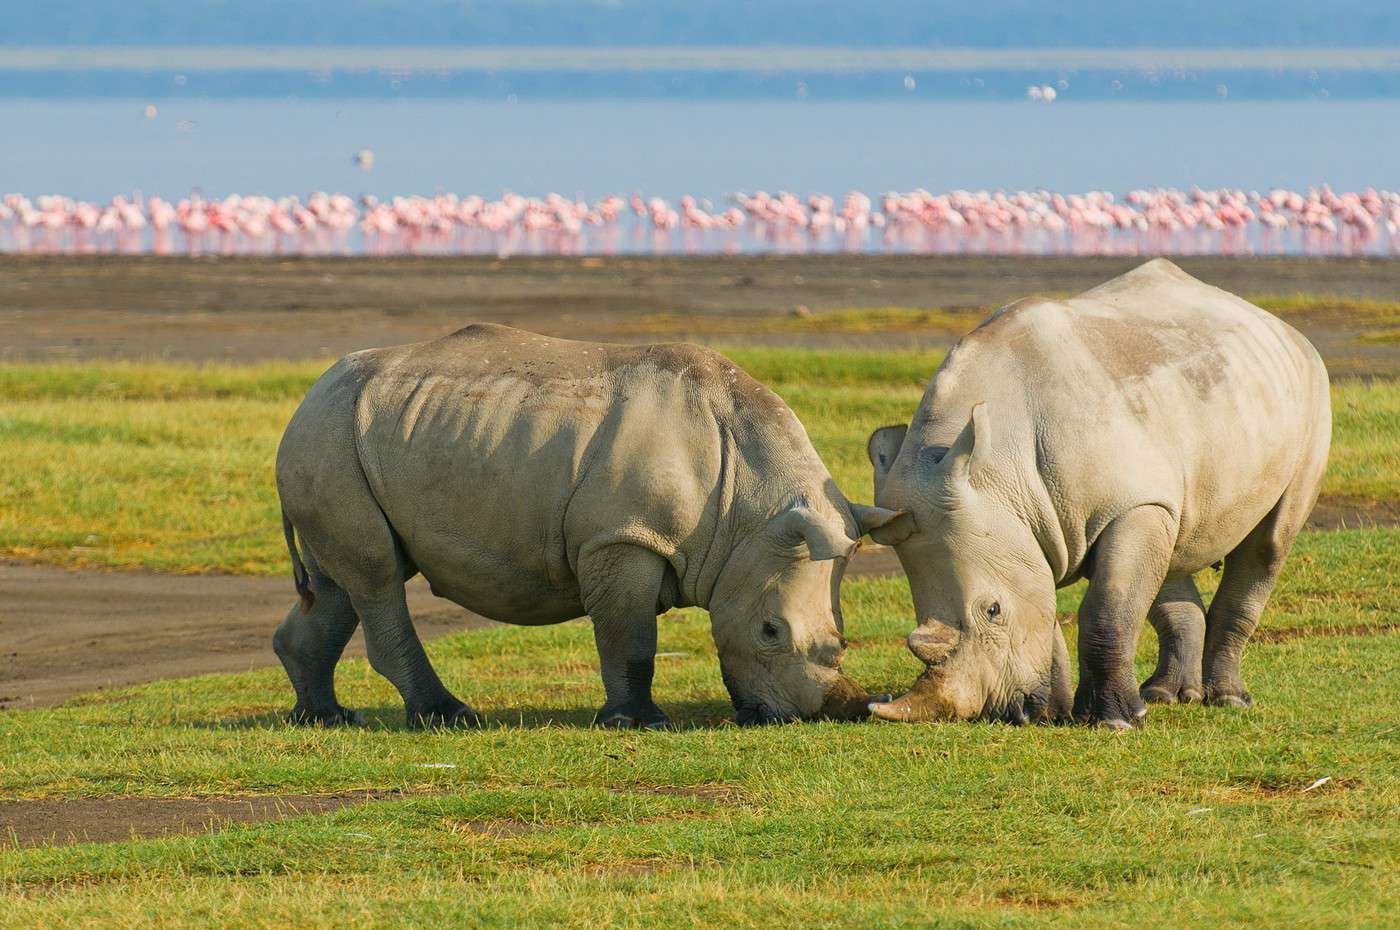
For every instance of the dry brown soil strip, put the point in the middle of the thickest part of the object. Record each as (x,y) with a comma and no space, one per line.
(66,632)
(60,821)
(250,309)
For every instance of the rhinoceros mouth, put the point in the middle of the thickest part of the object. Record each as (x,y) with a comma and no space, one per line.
(845,700)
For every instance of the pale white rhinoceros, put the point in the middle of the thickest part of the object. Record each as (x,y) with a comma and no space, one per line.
(1132,435)
(533,480)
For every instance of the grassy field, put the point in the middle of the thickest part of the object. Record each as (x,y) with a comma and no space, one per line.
(170,467)
(1203,818)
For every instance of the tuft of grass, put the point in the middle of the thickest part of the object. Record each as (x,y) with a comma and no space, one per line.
(1384,336)
(1359,308)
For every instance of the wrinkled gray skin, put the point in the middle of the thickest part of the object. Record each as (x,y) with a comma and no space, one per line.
(1132,435)
(534,480)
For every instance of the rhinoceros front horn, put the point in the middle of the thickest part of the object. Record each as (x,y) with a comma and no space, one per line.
(924,701)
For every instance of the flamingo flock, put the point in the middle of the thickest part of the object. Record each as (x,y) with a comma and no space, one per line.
(1320,221)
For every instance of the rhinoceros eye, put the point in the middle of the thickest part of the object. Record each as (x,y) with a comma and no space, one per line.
(771,633)
(994,612)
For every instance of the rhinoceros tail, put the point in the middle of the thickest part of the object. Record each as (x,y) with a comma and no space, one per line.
(300,577)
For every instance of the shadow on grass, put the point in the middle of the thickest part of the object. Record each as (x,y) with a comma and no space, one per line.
(686,715)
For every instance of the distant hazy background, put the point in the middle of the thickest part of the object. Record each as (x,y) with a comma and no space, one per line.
(671,96)
(1100,49)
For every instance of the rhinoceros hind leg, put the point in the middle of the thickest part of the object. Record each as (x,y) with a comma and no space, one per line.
(1251,570)
(1129,565)
(1180,621)
(309,643)
(396,652)
(622,589)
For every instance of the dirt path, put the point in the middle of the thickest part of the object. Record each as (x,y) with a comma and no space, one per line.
(60,821)
(249,309)
(65,632)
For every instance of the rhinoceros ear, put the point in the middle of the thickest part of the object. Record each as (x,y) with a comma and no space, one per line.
(870,519)
(825,539)
(899,528)
(882,448)
(975,439)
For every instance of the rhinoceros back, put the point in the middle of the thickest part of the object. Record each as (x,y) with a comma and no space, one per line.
(493,452)
(1154,388)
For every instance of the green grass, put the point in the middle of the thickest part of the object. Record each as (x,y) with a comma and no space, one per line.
(1358,308)
(170,467)
(1199,819)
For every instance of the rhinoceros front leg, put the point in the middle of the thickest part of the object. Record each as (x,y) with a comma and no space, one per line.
(1180,621)
(621,586)
(1130,560)
(396,652)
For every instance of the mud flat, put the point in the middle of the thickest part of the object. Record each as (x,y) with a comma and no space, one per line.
(247,309)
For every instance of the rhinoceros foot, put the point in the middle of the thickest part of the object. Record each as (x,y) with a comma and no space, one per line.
(455,715)
(633,715)
(1170,689)
(1233,697)
(1112,705)
(335,717)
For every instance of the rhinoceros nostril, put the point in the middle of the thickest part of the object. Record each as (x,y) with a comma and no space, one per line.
(932,642)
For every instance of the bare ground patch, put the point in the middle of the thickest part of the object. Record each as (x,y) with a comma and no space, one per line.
(60,821)
(718,794)
(1034,900)
(1289,633)
(250,309)
(1349,513)
(64,633)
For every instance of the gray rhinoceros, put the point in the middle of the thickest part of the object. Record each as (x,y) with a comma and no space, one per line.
(1132,435)
(534,480)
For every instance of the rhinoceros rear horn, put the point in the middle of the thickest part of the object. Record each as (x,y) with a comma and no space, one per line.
(869,519)
(825,538)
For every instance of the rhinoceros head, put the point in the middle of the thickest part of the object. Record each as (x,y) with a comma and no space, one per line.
(983,591)
(776,615)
